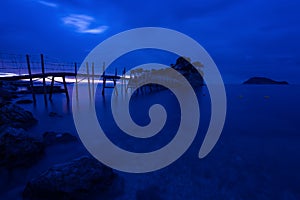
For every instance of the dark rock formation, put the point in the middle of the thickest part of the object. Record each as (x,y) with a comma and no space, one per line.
(263,80)
(17,149)
(7,91)
(189,71)
(24,101)
(83,178)
(50,138)
(15,116)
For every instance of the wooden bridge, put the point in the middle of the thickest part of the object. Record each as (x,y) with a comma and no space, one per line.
(135,79)
(43,75)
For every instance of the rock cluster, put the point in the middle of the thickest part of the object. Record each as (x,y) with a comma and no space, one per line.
(17,149)
(15,116)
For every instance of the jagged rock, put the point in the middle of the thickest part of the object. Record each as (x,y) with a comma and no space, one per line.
(15,116)
(17,149)
(83,178)
(50,138)
(263,80)
(189,71)
(152,192)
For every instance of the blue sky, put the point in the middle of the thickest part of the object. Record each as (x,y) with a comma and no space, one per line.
(244,37)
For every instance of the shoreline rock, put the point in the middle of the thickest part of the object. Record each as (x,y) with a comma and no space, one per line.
(17,149)
(7,90)
(15,116)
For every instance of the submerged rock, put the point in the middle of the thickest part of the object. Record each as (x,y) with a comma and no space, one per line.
(263,80)
(50,138)
(24,101)
(17,149)
(7,91)
(83,178)
(15,116)
(54,114)
(152,192)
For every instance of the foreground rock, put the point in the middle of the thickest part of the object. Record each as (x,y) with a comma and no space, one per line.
(263,80)
(83,178)
(50,138)
(7,90)
(17,149)
(15,116)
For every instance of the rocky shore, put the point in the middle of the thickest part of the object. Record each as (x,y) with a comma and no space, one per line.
(82,178)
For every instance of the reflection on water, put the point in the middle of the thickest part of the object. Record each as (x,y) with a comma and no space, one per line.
(255,158)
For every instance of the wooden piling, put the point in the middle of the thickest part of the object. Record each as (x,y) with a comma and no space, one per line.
(76,81)
(123,81)
(51,88)
(103,68)
(44,79)
(115,81)
(104,81)
(93,80)
(30,78)
(65,88)
(89,82)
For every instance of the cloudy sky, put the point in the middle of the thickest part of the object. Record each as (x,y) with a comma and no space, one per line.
(244,37)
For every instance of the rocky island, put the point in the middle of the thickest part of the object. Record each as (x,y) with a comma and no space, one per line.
(263,80)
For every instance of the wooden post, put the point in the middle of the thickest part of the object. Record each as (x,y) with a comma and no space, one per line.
(93,80)
(76,81)
(123,80)
(44,79)
(30,78)
(103,84)
(51,88)
(103,68)
(88,76)
(104,79)
(115,80)
(66,89)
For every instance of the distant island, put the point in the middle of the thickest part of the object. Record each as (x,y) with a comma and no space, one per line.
(263,80)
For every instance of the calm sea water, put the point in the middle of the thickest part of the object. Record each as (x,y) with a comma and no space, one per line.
(257,156)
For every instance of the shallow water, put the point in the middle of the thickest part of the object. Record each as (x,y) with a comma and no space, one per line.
(257,156)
